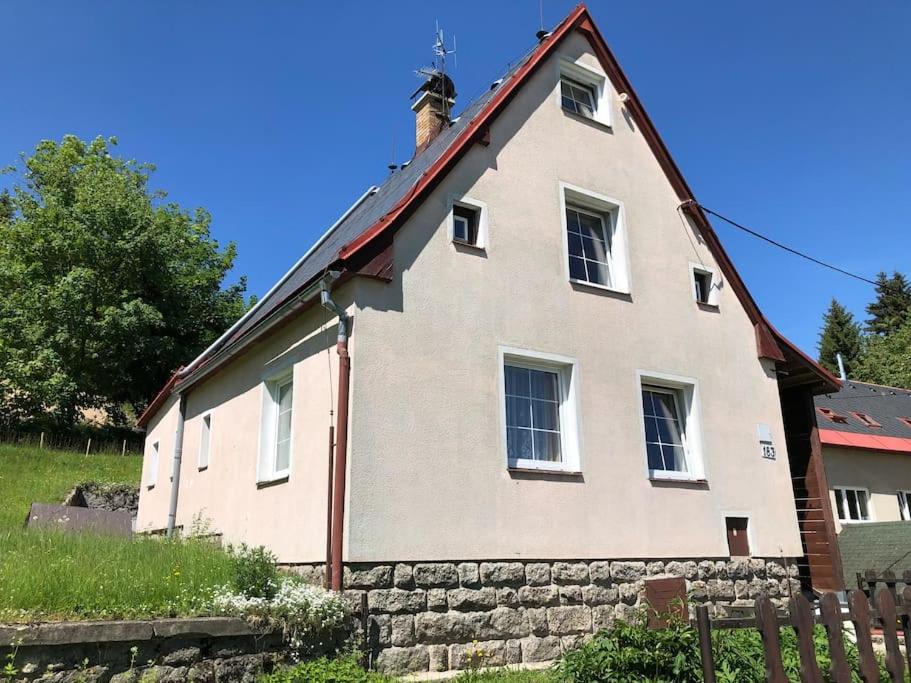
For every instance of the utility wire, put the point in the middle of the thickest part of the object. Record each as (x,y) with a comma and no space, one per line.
(785,247)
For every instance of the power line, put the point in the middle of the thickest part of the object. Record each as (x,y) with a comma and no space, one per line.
(785,247)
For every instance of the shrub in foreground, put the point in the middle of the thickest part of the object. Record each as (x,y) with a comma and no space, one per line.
(323,670)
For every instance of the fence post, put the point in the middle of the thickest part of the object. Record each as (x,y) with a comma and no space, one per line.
(906,617)
(767,623)
(831,620)
(704,627)
(860,615)
(123,450)
(41,442)
(802,621)
(894,662)
(88,446)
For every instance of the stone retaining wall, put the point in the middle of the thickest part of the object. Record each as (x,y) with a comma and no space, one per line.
(425,616)
(210,650)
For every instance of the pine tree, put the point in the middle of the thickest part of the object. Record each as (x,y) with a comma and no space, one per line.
(892,306)
(840,334)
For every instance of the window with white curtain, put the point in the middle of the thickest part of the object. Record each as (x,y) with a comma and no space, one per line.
(540,423)
(277,428)
(853,505)
(205,439)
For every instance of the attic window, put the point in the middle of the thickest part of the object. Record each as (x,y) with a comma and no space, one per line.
(867,420)
(583,91)
(706,284)
(468,222)
(832,416)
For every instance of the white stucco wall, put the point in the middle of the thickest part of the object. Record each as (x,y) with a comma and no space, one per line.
(288,517)
(883,475)
(428,471)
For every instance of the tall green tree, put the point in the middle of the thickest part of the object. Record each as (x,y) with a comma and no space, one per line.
(105,288)
(892,306)
(840,334)
(888,358)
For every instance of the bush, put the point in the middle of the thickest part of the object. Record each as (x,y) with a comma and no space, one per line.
(255,573)
(630,651)
(345,670)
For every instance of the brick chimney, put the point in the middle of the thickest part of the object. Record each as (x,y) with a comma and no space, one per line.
(432,109)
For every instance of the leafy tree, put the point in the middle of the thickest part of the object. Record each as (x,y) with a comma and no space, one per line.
(840,334)
(892,306)
(888,358)
(104,287)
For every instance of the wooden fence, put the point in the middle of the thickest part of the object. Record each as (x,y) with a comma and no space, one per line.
(892,615)
(74,442)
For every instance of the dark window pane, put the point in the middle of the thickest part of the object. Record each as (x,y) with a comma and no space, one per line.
(591,226)
(518,412)
(862,504)
(459,229)
(572,220)
(544,385)
(654,457)
(575,244)
(594,249)
(651,429)
(674,458)
(518,443)
(647,403)
(853,513)
(840,504)
(664,406)
(547,446)
(545,415)
(597,272)
(669,432)
(577,269)
(516,381)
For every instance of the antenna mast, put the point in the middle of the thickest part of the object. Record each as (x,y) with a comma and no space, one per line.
(439,64)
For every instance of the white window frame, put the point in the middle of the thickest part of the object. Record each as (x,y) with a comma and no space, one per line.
(154,461)
(268,452)
(570,422)
(866,492)
(714,283)
(205,444)
(686,393)
(474,205)
(618,258)
(593,79)
(904,505)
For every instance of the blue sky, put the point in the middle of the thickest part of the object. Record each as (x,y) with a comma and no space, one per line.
(790,117)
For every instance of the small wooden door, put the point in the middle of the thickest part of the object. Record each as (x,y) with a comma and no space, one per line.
(738,540)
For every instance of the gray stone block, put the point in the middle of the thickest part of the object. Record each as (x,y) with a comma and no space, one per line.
(504,623)
(675,569)
(697,591)
(654,568)
(720,589)
(537,620)
(402,630)
(469,576)
(181,657)
(541,649)
(367,577)
(537,574)
(738,569)
(599,595)
(447,627)
(706,570)
(507,597)
(502,573)
(396,600)
(569,573)
(477,654)
(627,571)
(539,596)
(436,599)
(602,617)
(631,592)
(471,600)
(571,595)
(379,630)
(439,657)
(403,576)
(403,660)
(568,620)
(436,575)
(513,652)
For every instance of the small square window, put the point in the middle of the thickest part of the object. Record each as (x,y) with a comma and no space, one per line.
(706,284)
(853,505)
(465,224)
(152,474)
(577,98)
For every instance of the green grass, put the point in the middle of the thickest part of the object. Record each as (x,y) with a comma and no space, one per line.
(29,475)
(509,676)
(52,576)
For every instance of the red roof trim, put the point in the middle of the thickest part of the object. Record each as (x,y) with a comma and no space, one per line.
(159,399)
(769,340)
(869,442)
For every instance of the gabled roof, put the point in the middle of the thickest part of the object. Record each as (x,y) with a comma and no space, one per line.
(886,405)
(364,234)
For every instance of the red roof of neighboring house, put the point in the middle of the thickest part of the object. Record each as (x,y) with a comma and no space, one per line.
(894,444)
(371,241)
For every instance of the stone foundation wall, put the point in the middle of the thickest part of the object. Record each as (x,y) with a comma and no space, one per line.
(425,616)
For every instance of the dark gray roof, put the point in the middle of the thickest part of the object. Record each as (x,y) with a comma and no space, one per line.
(387,196)
(878,546)
(883,404)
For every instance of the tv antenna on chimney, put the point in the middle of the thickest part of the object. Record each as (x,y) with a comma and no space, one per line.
(436,72)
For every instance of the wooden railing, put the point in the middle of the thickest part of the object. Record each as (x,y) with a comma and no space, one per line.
(801,618)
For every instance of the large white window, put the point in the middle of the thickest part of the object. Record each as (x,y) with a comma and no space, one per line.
(584,91)
(276,432)
(594,239)
(904,505)
(853,504)
(671,424)
(152,473)
(539,406)
(205,440)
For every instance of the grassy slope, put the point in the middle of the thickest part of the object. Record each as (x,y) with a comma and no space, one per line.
(62,576)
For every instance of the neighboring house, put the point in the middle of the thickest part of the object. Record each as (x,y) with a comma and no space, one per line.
(559,385)
(865,438)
